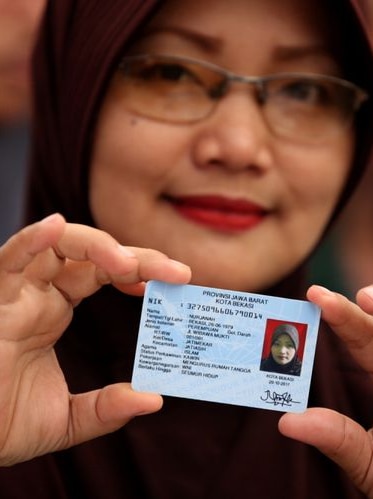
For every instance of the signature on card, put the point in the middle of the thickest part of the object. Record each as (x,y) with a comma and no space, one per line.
(283,399)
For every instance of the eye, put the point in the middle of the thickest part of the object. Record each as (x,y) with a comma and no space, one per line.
(166,72)
(305,91)
(280,344)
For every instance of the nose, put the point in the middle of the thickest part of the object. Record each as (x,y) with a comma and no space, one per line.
(235,135)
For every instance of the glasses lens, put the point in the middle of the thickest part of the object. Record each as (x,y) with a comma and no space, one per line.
(309,108)
(166,88)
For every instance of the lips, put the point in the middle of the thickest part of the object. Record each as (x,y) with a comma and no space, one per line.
(220,213)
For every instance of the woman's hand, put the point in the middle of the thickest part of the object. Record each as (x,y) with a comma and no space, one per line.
(338,437)
(45,270)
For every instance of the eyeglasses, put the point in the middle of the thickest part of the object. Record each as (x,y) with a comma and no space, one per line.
(302,107)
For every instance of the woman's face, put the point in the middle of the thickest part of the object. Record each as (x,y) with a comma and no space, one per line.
(283,350)
(254,204)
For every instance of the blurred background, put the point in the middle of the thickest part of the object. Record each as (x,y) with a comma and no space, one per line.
(19,20)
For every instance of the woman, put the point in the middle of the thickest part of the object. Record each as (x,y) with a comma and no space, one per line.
(283,356)
(147,130)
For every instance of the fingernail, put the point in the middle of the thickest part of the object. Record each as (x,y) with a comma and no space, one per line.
(49,218)
(125,251)
(324,290)
(368,290)
(178,264)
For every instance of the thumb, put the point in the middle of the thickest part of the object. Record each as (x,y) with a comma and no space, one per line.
(103,411)
(339,438)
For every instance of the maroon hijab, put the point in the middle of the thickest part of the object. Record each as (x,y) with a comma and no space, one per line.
(190,449)
(76,55)
(79,48)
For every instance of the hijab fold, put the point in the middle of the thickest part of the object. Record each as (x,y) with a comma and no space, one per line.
(75,57)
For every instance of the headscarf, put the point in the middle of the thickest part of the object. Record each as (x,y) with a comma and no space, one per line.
(294,366)
(288,329)
(77,53)
(190,448)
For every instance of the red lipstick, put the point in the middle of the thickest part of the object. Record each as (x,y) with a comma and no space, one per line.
(220,213)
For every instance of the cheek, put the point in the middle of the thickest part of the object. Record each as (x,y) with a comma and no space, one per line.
(316,186)
(133,161)
(124,155)
(136,146)
(291,353)
(119,149)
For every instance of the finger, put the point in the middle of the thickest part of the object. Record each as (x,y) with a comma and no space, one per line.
(106,262)
(21,248)
(348,321)
(82,243)
(24,248)
(111,263)
(339,438)
(364,299)
(103,411)
(155,265)
(137,289)
(77,280)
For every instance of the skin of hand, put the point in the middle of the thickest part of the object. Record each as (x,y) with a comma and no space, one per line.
(45,270)
(337,436)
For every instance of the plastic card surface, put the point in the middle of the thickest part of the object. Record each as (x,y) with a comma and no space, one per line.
(226,346)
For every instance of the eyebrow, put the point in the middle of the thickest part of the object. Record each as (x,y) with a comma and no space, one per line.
(208,43)
(214,44)
(288,53)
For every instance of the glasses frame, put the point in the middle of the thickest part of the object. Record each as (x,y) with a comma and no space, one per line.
(258,82)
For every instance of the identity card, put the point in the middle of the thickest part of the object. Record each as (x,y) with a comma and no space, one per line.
(226,346)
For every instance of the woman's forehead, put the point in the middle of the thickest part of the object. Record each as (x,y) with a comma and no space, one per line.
(283,337)
(305,12)
(217,23)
